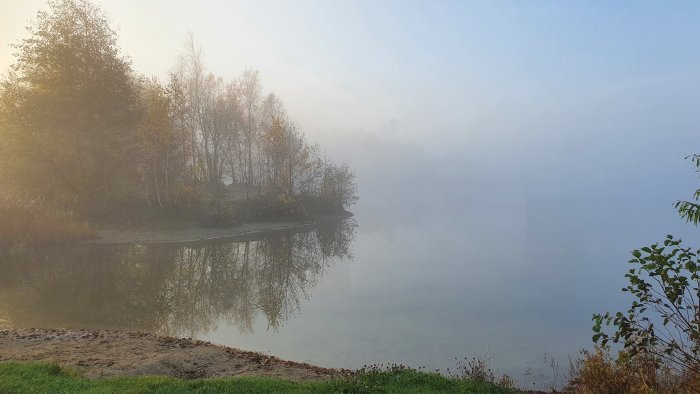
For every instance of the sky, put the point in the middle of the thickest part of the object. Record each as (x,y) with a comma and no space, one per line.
(444,72)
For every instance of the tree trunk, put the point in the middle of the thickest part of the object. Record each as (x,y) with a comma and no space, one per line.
(155,178)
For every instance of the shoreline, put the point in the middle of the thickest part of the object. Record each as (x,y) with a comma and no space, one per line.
(108,353)
(98,354)
(200,234)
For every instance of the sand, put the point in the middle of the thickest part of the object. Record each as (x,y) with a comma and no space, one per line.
(112,353)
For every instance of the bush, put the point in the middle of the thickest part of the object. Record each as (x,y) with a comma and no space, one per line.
(666,284)
(600,373)
(660,332)
(282,207)
(31,221)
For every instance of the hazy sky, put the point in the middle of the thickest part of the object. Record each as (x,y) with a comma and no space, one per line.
(447,72)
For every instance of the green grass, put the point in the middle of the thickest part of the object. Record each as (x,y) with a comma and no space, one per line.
(51,378)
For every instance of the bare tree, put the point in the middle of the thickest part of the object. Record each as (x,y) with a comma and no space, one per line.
(249,87)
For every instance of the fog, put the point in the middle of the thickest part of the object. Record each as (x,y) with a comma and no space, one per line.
(451,75)
(508,156)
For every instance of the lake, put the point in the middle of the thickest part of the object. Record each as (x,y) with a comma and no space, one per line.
(510,279)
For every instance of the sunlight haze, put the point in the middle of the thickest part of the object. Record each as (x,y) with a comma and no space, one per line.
(497,70)
(431,180)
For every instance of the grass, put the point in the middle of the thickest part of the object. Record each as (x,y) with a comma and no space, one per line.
(51,378)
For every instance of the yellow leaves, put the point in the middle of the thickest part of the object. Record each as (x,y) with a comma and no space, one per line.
(154,128)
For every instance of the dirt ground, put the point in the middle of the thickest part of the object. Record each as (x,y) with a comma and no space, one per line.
(111,353)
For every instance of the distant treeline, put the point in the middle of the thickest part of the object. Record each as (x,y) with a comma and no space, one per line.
(80,130)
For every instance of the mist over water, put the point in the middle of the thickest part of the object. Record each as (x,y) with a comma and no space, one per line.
(508,156)
(507,248)
(476,255)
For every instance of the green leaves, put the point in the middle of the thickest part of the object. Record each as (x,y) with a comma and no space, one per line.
(688,210)
(665,285)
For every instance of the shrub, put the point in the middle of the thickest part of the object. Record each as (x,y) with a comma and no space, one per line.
(599,373)
(660,332)
(31,221)
(664,319)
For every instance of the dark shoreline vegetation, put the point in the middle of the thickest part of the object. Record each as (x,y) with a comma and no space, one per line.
(87,143)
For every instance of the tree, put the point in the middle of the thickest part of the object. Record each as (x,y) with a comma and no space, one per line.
(155,135)
(249,88)
(192,78)
(338,186)
(80,131)
(233,152)
(690,211)
(68,111)
(165,176)
(664,319)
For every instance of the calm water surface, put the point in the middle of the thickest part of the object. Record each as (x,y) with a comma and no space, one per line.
(515,285)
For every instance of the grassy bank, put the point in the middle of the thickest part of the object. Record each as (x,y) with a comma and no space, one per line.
(46,377)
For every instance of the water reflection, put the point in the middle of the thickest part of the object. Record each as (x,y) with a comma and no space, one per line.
(182,290)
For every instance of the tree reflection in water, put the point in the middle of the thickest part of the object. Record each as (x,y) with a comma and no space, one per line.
(183,289)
